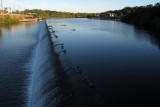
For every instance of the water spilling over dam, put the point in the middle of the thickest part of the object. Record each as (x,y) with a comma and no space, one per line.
(50,85)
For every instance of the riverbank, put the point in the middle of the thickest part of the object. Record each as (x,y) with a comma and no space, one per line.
(14,18)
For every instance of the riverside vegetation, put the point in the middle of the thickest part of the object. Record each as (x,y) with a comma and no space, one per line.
(8,19)
(56,14)
(144,16)
(44,14)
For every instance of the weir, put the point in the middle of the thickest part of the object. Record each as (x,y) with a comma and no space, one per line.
(42,79)
(49,85)
(53,83)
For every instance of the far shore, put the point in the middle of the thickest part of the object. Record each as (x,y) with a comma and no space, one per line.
(15,18)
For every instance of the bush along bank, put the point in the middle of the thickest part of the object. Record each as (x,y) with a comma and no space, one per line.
(8,19)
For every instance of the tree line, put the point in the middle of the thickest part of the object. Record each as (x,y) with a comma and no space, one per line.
(143,16)
(56,14)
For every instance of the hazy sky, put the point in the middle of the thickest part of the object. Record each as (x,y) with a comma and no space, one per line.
(76,5)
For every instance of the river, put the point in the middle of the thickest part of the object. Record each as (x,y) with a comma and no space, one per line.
(121,61)
(16,44)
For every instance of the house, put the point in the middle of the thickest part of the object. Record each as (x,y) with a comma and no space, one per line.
(32,14)
(8,9)
(112,15)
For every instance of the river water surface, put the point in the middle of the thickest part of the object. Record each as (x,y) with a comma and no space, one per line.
(17,42)
(120,60)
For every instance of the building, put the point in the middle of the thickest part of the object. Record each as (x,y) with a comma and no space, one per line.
(8,9)
(112,15)
(97,14)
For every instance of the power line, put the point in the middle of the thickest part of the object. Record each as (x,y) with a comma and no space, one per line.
(12,5)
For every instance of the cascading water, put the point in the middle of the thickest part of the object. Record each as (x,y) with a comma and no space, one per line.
(53,84)
(44,87)
(41,70)
(42,80)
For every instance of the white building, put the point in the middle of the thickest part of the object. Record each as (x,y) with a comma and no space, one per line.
(8,9)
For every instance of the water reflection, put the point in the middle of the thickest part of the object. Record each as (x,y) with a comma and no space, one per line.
(0,33)
(139,33)
(11,26)
(142,34)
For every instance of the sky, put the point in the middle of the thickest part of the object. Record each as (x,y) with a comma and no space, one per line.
(87,6)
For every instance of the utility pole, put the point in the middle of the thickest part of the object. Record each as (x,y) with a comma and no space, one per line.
(14,8)
(19,10)
(2,5)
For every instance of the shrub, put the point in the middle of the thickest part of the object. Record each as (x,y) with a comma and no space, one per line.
(8,19)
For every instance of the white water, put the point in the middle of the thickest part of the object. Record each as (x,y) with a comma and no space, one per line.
(42,72)
(51,85)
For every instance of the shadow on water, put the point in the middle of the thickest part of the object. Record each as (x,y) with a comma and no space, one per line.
(72,92)
(63,94)
(153,37)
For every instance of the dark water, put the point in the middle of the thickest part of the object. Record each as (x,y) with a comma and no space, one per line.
(29,73)
(32,74)
(121,60)
(16,44)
